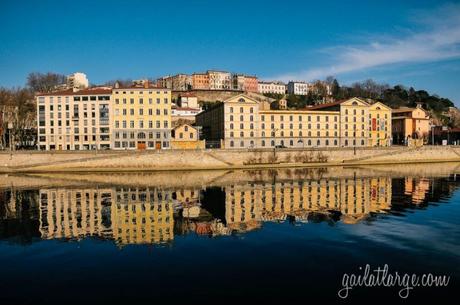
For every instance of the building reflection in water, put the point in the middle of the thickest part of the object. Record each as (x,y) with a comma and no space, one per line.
(132,215)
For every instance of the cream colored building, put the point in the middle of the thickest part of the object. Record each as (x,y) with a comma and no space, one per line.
(219,80)
(79,120)
(242,122)
(272,87)
(141,117)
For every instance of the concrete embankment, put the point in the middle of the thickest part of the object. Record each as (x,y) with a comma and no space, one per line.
(107,161)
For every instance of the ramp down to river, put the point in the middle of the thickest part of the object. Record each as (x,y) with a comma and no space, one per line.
(106,161)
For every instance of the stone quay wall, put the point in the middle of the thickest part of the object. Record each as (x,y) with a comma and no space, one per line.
(35,161)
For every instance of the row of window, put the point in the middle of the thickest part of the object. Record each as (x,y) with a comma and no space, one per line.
(141,124)
(132,144)
(281,133)
(140,111)
(291,118)
(293,143)
(140,92)
(141,101)
(77,138)
(140,135)
(102,122)
(76,130)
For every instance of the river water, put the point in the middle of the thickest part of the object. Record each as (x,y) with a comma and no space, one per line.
(226,237)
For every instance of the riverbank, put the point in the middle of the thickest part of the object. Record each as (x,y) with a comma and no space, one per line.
(180,160)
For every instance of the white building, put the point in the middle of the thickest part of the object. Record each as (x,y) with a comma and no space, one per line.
(298,88)
(74,120)
(189,100)
(220,80)
(272,87)
(77,80)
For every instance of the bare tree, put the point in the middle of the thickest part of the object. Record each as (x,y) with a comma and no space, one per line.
(18,116)
(44,82)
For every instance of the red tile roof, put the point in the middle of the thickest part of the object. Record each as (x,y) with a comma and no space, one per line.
(89,91)
(321,106)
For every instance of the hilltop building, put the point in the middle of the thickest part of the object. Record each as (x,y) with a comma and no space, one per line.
(271,87)
(77,80)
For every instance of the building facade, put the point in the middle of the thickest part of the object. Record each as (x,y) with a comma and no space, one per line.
(410,123)
(219,80)
(379,125)
(141,117)
(248,83)
(186,136)
(242,122)
(298,88)
(200,81)
(69,120)
(271,87)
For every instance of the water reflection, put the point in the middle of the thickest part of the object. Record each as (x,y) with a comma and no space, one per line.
(155,214)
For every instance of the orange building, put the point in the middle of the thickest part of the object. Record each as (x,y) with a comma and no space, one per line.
(200,81)
(410,123)
(251,83)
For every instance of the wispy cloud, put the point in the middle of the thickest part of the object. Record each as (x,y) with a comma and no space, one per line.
(438,39)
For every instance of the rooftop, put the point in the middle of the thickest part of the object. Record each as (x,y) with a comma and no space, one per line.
(88,91)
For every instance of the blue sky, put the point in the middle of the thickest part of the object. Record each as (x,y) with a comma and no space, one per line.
(415,43)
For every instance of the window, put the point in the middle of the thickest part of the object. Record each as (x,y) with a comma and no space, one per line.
(232,144)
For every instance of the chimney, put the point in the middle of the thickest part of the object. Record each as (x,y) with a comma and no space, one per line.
(117,85)
(146,84)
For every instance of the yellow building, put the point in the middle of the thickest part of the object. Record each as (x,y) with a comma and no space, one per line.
(379,125)
(141,117)
(242,122)
(186,136)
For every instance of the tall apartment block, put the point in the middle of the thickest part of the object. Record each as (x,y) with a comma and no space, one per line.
(69,120)
(141,117)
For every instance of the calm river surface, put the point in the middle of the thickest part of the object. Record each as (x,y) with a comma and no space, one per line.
(226,237)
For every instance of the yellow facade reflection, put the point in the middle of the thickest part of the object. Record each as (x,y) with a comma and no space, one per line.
(133,215)
(353,198)
(142,216)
